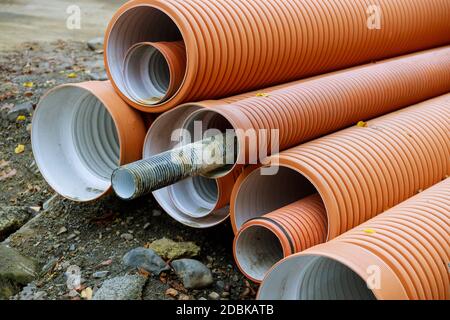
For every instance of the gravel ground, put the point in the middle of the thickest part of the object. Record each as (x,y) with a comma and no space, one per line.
(88,235)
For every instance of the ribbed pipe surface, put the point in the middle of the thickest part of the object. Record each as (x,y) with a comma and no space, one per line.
(236,46)
(313,108)
(402,253)
(362,171)
(296,227)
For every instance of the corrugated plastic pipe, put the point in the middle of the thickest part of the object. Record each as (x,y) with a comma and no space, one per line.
(239,45)
(401,254)
(310,109)
(302,110)
(263,241)
(153,71)
(358,172)
(81,133)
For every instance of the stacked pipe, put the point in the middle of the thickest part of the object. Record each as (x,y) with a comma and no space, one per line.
(400,254)
(162,56)
(358,173)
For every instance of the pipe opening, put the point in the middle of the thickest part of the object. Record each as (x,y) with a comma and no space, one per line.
(257,249)
(146,75)
(142,23)
(123,183)
(312,277)
(261,194)
(196,197)
(206,123)
(75,143)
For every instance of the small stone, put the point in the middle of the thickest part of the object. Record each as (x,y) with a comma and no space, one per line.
(146,259)
(71,236)
(126,236)
(214,296)
(171,292)
(220,285)
(29,127)
(128,287)
(170,250)
(24,109)
(72,247)
(146,225)
(72,294)
(184,297)
(193,273)
(225,294)
(61,231)
(98,76)
(156,213)
(100,274)
(95,44)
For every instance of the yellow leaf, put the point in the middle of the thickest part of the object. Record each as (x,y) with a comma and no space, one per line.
(28,84)
(21,118)
(370,231)
(262,95)
(72,75)
(19,149)
(362,124)
(87,293)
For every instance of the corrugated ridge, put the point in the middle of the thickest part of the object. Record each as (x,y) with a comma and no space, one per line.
(311,109)
(363,171)
(414,239)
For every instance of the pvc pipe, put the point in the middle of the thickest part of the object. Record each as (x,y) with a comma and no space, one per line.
(153,71)
(230,49)
(311,109)
(142,177)
(262,242)
(358,172)
(400,254)
(81,133)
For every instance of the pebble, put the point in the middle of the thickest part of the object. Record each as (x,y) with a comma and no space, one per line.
(61,231)
(156,213)
(145,259)
(126,236)
(146,226)
(100,274)
(95,44)
(193,273)
(214,296)
(184,297)
(128,287)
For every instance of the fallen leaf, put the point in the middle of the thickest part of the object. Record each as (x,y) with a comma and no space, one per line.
(143,272)
(21,118)
(19,149)
(262,95)
(87,293)
(171,292)
(6,175)
(72,75)
(370,231)
(28,84)
(361,124)
(3,163)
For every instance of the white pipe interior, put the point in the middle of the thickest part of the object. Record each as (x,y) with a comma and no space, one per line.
(139,24)
(123,184)
(310,277)
(257,249)
(191,201)
(75,143)
(261,194)
(146,75)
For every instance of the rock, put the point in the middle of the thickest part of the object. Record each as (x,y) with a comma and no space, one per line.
(220,285)
(171,292)
(12,219)
(214,296)
(100,274)
(145,259)
(23,109)
(128,287)
(184,297)
(225,294)
(170,250)
(16,271)
(98,76)
(126,236)
(61,231)
(156,213)
(193,273)
(96,44)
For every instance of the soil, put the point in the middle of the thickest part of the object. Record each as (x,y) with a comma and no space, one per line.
(88,235)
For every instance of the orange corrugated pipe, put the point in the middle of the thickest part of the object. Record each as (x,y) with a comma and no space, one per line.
(358,172)
(263,241)
(81,133)
(237,46)
(401,254)
(301,110)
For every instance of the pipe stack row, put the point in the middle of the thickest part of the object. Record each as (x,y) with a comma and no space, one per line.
(335,129)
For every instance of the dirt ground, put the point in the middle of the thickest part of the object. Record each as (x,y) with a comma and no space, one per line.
(91,232)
